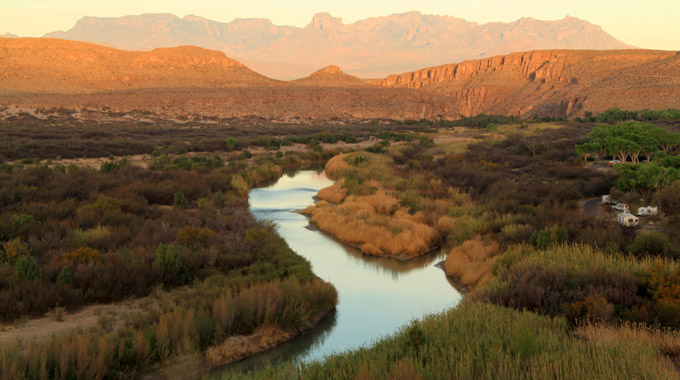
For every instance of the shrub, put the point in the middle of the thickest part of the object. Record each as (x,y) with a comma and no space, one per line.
(170,267)
(203,203)
(180,201)
(546,238)
(27,269)
(669,199)
(650,243)
(194,236)
(80,256)
(14,249)
(218,199)
(64,277)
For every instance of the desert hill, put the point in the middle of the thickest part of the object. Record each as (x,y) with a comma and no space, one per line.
(331,76)
(189,80)
(552,82)
(370,48)
(60,66)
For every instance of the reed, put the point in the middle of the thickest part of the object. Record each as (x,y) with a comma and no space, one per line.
(481,341)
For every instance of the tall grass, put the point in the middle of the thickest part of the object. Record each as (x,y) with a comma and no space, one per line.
(481,341)
(385,212)
(580,257)
(471,263)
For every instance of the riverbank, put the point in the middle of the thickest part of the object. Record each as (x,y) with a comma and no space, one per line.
(235,348)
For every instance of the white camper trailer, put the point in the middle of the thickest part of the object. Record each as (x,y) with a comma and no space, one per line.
(621,207)
(627,219)
(649,210)
(607,199)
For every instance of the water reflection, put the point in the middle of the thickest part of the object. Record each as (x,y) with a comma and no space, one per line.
(376,295)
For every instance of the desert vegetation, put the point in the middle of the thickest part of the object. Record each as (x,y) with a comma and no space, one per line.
(177,236)
(483,341)
(504,200)
(517,237)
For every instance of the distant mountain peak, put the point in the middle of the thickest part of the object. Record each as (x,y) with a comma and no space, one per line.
(193,17)
(324,21)
(330,69)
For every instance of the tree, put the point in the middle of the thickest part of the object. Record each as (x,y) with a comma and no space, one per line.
(27,269)
(64,277)
(587,150)
(231,145)
(169,266)
(218,199)
(645,177)
(634,139)
(180,201)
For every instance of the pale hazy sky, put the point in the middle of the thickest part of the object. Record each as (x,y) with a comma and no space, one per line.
(652,24)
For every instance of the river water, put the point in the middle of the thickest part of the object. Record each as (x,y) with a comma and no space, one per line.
(377,296)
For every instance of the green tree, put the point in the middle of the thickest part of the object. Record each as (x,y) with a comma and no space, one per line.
(22,223)
(27,268)
(547,237)
(231,145)
(64,277)
(218,199)
(588,150)
(180,201)
(645,178)
(170,267)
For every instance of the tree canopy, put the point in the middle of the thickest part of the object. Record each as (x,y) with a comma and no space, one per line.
(630,140)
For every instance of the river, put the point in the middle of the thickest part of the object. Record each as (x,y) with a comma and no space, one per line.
(377,296)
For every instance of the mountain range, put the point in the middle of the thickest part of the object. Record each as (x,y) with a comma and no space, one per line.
(370,48)
(187,80)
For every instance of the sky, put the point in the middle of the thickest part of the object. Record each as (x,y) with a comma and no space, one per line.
(651,24)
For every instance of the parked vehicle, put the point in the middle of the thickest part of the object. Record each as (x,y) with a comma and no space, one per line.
(607,199)
(621,207)
(648,210)
(627,219)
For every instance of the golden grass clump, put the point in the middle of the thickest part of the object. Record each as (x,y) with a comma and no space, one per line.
(472,262)
(239,347)
(335,165)
(356,222)
(333,194)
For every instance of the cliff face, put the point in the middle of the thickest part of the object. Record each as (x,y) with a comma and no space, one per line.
(552,82)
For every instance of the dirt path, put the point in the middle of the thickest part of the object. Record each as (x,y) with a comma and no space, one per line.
(591,207)
(94,316)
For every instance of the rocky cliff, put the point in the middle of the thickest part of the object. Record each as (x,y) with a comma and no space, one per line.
(552,82)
